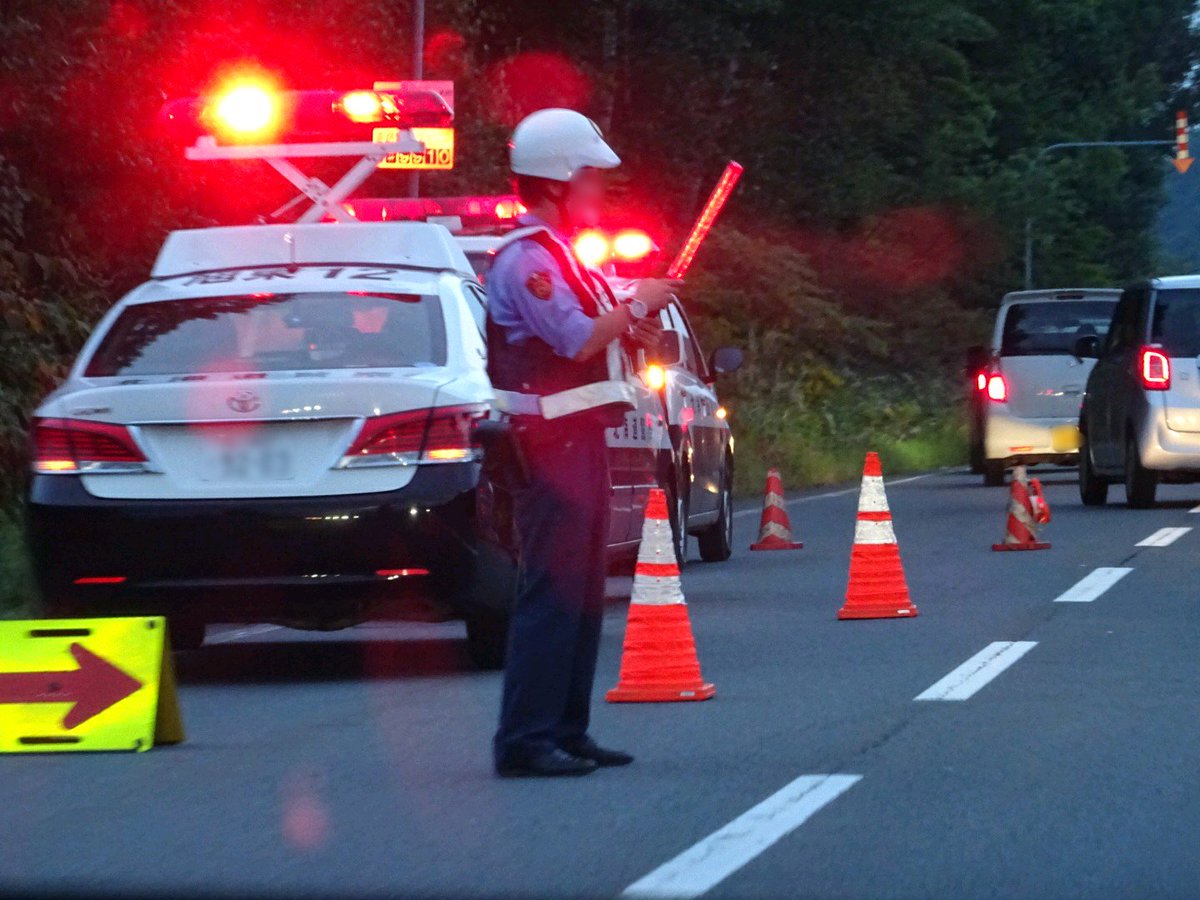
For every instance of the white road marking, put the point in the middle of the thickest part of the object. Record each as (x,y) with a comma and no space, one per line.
(1164,537)
(842,493)
(705,865)
(1093,585)
(225,637)
(1194,509)
(971,676)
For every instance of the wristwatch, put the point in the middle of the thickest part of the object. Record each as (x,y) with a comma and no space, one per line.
(638,309)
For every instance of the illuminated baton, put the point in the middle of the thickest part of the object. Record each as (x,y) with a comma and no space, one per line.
(704,223)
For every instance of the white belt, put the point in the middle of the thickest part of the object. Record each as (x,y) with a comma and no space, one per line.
(564,403)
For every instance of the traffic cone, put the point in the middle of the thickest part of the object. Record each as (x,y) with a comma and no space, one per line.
(774,530)
(877,589)
(1027,509)
(659,662)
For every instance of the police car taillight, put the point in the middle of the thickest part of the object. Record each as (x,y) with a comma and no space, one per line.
(67,446)
(408,438)
(482,212)
(997,388)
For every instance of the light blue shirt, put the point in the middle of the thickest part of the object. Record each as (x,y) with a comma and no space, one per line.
(558,319)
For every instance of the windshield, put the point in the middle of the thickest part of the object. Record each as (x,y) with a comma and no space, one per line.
(272,332)
(1051,328)
(1176,322)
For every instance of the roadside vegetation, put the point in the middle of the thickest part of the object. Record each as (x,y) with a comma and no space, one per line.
(887,148)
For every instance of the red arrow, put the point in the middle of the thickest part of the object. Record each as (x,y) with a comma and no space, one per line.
(93,687)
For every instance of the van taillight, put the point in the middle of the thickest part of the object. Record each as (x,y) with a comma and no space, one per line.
(997,388)
(423,435)
(1155,369)
(72,445)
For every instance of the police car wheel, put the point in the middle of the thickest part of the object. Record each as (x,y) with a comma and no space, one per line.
(186,634)
(487,639)
(716,541)
(678,498)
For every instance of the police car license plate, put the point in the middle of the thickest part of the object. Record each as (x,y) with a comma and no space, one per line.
(254,459)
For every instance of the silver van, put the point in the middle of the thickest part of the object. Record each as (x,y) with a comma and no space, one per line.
(1032,383)
(1141,415)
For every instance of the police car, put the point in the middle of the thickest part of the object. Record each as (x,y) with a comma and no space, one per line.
(278,426)
(694,453)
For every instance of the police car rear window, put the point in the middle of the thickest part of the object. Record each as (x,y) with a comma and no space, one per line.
(1051,329)
(273,332)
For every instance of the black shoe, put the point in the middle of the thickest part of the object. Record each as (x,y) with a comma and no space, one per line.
(551,764)
(586,748)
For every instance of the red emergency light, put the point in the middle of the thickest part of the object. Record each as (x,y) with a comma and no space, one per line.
(475,212)
(250,111)
(595,248)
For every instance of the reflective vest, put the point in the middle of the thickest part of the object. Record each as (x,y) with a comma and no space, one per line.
(531,380)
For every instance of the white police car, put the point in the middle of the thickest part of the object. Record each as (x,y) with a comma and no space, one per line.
(279,419)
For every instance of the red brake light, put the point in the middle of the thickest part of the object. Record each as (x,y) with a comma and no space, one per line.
(981,381)
(591,248)
(438,435)
(631,245)
(1155,368)
(71,445)
(997,388)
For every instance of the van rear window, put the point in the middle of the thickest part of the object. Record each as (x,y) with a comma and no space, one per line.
(1176,322)
(1051,328)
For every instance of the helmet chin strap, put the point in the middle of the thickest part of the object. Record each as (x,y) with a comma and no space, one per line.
(560,203)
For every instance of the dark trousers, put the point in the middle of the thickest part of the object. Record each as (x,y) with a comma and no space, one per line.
(562,518)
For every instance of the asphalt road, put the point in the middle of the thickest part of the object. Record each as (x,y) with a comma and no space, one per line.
(357,762)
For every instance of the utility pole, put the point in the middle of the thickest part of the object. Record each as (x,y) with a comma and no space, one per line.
(418,73)
(1068,145)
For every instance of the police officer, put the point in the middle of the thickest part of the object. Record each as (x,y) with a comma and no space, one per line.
(552,358)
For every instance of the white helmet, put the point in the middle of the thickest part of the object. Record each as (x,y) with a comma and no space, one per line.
(557,143)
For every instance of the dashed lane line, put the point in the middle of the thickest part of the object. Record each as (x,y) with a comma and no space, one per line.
(1093,585)
(965,681)
(1164,537)
(841,493)
(705,865)
(225,637)
(1194,509)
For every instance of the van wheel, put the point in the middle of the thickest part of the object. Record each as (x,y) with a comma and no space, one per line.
(1141,484)
(993,473)
(1093,490)
(716,541)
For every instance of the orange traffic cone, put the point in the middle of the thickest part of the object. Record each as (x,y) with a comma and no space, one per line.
(1027,509)
(659,660)
(877,589)
(774,530)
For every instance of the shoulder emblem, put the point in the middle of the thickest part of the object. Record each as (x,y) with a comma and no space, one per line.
(539,285)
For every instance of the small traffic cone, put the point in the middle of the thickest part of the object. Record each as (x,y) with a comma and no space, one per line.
(774,530)
(659,662)
(877,589)
(1027,509)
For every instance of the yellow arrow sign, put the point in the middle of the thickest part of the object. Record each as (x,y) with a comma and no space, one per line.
(86,684)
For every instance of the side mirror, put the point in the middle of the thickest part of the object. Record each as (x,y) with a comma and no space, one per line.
(725,360)
(669,349)
(1087,347)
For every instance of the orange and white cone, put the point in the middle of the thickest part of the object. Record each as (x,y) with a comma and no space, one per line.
(774,529)
(1027,509)
(659,662)
(877,588)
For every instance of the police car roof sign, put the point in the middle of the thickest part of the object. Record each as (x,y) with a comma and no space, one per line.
(412,244)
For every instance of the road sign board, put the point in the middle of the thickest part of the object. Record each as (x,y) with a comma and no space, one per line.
(439,149)
(86,684)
